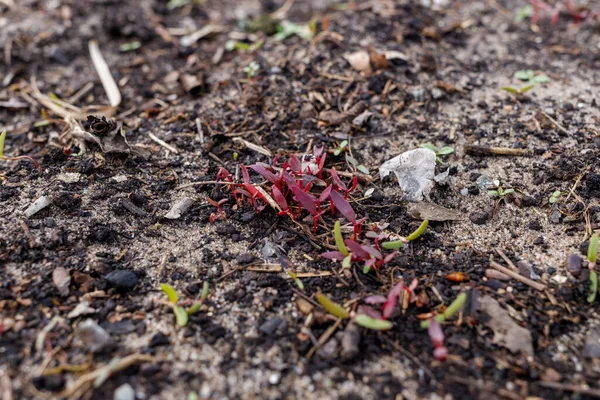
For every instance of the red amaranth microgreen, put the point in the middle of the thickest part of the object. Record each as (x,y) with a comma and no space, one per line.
(437,338)
(389,302)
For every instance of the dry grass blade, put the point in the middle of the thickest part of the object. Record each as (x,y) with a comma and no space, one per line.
(85,382)
(254,147)
(108,82)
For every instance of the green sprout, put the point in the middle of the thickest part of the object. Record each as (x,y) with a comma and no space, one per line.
(500,193)
(439,152)
(413,236)
(530,78)
(235,156)
(593,286)
(131,46)
(523,13)
(340,312)
(593,250)
(251,70)
(352,161)
(340,148)
(286,29)
(232,45)
(3,157)
(181,314)
(296,279)
(339,239)
(554,198)
(452,309)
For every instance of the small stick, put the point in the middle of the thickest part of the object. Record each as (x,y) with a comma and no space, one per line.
(163,143)
(496,151)
(520,278)
(505,258)
(555,123)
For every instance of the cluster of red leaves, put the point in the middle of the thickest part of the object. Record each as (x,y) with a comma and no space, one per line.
(541,7)
(388,304)
(291,187)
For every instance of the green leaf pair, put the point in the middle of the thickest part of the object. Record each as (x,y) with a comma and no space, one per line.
(181,314)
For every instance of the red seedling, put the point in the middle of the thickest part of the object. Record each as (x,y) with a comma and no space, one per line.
(437,338)
(262,170)
(345,209)
(224,174)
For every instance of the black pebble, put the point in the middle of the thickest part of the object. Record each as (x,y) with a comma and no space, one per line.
(122,280)
(159,339)
(244,258)
(479,218)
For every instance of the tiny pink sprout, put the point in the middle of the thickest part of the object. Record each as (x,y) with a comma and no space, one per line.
(440,353)
(437,338)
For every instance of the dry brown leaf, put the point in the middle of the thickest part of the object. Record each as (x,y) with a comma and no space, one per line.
(360,61)
(507,332)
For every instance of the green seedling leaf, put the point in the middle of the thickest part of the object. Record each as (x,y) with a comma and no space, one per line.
(493,193)
(510,89)
(339,239)
(446,150)
(593,248)
(346,261)
(170,292)
(524,75)
(429,146)
(524,13)
(395,245)
(372,323)
(366,269)
(351,160)
(439,318)
(527,88)
(2,139)
(593,286)
(542,78)
(363,169)
(508,191)
(181,316)
(296,279)
(195,307)
(193,396)
(455,306)
(131,46)
(420,230)
(204,291)
(332,308)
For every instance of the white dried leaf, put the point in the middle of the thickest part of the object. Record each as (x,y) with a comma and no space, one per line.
(415,170)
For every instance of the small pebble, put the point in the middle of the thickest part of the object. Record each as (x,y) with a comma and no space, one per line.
(124,392)
(122,280)
(92,335)
(574,264)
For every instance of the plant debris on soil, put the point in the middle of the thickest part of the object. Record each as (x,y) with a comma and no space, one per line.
(229,152)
